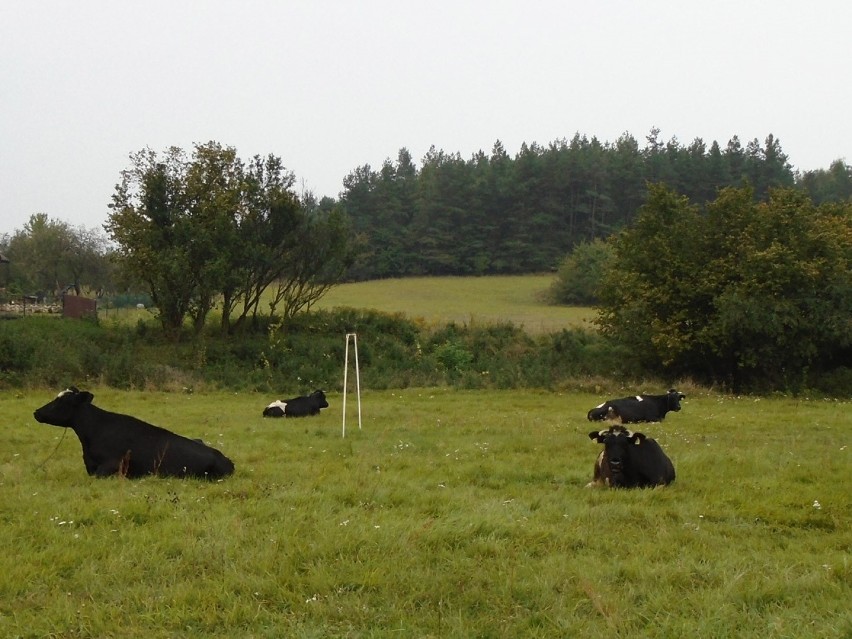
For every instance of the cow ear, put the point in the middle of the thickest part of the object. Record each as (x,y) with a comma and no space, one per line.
(84,397)
(596,436)
(638,438)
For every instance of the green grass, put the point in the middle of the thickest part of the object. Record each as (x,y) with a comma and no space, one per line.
(436,301)
(451,514)
(439,300)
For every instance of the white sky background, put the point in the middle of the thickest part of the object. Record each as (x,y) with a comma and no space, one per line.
(333,85)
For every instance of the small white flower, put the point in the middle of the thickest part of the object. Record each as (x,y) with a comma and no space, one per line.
(817,505)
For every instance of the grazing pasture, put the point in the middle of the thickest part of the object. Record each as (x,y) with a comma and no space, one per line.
(451,514)
(518,299)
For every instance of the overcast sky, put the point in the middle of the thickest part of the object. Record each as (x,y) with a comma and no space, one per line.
(329,86)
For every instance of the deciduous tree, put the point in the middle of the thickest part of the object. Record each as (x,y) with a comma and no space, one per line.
(579,275)
(48,256)
(210,228)
(151,225)
(745,293)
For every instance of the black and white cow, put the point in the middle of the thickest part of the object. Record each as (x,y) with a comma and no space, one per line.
(298,406)
(630,460)
(120,444)
(640,408)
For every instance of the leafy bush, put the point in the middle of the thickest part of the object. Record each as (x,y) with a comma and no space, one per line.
(579,275)
(51,351)
(453,357)
(747,294)
(308,353)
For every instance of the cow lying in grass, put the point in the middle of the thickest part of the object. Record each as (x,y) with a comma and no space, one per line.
(298,406)
(639,408)
(116,444)
(630,460)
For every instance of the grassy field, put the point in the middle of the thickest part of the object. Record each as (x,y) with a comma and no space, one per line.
(451,514)
(438,300)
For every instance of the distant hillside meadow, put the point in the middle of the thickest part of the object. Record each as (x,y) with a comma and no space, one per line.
(518,299)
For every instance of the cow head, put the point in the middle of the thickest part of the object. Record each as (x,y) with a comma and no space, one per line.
(673,398)
(60,411)
(618,443)
(320,398)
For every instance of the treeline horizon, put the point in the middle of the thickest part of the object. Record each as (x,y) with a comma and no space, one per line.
(496,214)
(492,214)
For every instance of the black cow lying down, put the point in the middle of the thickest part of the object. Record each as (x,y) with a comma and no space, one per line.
(630,460)
(298,406)
(127,446)
(640,408)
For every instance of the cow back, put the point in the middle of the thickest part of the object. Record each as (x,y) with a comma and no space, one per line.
(114,443)
(305,405)
(650,465)
(637,408)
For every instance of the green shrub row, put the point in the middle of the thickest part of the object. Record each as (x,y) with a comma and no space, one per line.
(308,353)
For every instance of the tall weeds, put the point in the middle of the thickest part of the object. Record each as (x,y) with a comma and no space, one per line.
(303,354)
